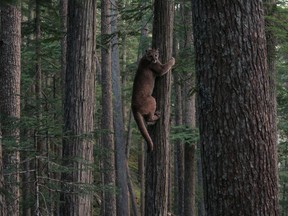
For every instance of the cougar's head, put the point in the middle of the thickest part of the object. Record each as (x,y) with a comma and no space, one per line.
(152,55)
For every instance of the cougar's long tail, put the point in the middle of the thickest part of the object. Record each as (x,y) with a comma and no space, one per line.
(142,127)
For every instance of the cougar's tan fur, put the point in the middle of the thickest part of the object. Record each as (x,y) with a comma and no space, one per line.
(143,104)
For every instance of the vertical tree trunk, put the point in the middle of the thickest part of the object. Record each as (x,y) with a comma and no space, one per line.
(28,178)
(236,113)
(77,190)
(107,116)
(179,151)
(39,141)
(63,15)
(10,70)
(120,144)
(190,152)
(269,6)
(269,9)
(157,168)
(58,149)
(189,118)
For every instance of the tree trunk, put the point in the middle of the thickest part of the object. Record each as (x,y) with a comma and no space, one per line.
(236,113)
(107,139)
(179,151)
(10,72)
(189,118)
(77,190)
(157,168)
(63,14)
(190,150)
(41,150)
(120,144)
(269,6)
(27,135)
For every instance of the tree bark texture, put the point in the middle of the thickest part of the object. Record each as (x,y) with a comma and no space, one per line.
(107,139)
(269,6)
(236,120)
(118,121)
(10,72)
(157,167)
(189,113)
(79,105)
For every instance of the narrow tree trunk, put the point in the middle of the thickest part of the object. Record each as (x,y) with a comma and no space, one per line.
(157,169)
(190,152)
(77,190)
(10,70)
(142,152)
(56,148)
(179,151)
(28,178)
(236,113)
(120,144)
(107,116)
(39,139)
(63,14)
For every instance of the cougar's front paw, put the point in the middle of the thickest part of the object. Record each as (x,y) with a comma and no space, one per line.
(157,113)
(172,61)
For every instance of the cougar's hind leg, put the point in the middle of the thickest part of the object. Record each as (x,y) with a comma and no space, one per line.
(151,117)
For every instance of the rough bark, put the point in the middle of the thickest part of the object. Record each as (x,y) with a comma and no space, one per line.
(10,71)
(236,114)
(107,139)
(269,9)
(77,190)
(189,118)
(157,168)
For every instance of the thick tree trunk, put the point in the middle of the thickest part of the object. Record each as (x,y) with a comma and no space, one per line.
(107,139)
(10,70)
(77,190)
(157,168)
(269,6)
(236,113)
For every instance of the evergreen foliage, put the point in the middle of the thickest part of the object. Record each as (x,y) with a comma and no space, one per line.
(133,16)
